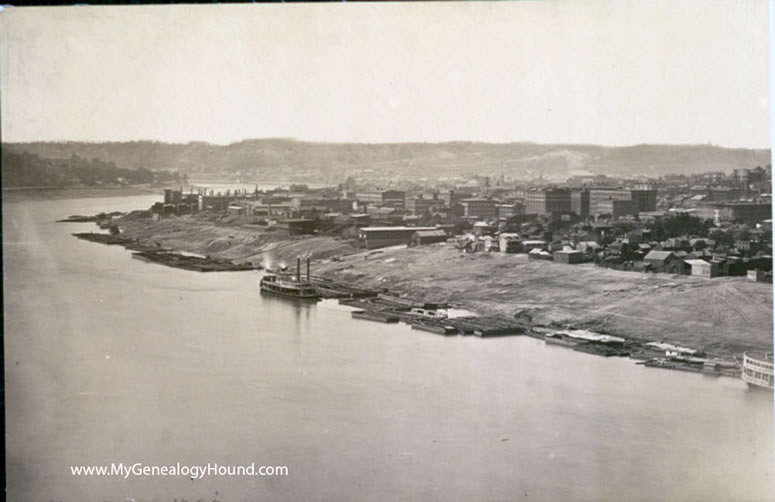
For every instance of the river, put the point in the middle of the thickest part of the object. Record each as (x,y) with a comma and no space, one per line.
(110,359)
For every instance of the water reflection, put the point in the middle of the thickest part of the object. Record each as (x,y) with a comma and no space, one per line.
(302,309)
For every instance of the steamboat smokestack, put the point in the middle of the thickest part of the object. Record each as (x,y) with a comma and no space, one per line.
(298,269)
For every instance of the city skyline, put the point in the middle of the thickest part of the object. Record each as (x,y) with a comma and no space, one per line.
(601,73)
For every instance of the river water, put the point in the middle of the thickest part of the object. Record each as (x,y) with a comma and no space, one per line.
(110,359)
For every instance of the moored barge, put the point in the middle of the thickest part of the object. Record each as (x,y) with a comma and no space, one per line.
(375,316)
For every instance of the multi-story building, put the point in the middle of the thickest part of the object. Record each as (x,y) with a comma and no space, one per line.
(420,204)
(719,194)
(735,211)
(388,198)
(579,202)
(480,208)
(371,198)
(597,195)
(617,208)
(548,201)
(454,197)
(509,210)
(646,199)
(394,198)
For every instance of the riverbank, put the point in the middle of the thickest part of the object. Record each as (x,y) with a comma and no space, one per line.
(723,316)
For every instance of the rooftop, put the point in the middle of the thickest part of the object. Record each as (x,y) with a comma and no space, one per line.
(396,229)
(658,255)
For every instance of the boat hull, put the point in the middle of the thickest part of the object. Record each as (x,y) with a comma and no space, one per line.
(299,292)
(375,316)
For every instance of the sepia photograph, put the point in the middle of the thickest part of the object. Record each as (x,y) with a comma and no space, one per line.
(380,251)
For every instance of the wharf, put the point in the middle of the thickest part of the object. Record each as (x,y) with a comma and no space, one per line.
(387,305)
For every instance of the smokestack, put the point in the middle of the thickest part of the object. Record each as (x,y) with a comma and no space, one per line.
(308,269)
(298,269)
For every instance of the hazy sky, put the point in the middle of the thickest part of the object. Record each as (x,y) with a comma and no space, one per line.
(584,72)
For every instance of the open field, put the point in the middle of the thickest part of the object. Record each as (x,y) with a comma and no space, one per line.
(723,315)
(232,239)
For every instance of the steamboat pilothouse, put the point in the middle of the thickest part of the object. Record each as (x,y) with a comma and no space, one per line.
(289,285)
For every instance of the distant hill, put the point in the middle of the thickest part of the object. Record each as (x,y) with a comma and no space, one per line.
(291,159)
(25,169)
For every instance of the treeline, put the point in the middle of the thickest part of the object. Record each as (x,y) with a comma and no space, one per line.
(29,170)
(680,224)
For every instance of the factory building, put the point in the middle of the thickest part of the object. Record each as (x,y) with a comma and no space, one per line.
(617,208)
(548,201)
(736,211)
(579,203)
(380,237)
(480,208)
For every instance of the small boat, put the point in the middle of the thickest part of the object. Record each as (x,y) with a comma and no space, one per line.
(289,285)
(758,370)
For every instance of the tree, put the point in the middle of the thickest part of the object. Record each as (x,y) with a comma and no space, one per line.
(722,238)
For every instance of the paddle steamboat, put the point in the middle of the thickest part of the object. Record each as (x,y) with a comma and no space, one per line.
(289,285)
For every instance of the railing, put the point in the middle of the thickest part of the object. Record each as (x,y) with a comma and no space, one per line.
(765,365)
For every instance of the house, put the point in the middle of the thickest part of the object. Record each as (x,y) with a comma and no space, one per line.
(423,237)
(568,256)
(664,261)
(510,243)
(702,268)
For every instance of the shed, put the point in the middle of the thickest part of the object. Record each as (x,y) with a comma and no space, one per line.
(702,268)
(664,261)
(568,256)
